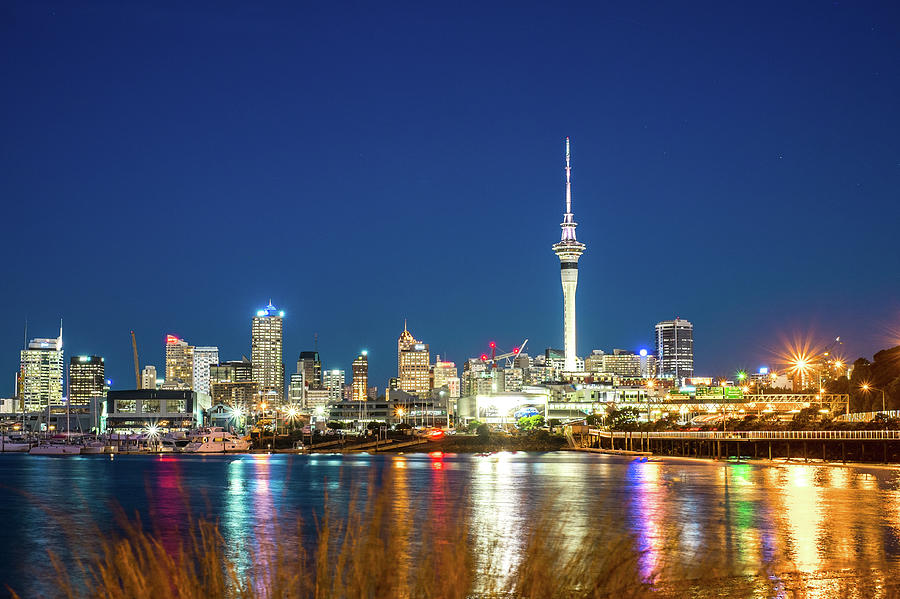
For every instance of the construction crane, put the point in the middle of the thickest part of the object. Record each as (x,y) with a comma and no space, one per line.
(509,356)
(137,368)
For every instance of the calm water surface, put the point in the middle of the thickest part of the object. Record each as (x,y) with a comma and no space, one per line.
(821,518)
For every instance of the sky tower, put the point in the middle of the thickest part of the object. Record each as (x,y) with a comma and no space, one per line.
(569,250)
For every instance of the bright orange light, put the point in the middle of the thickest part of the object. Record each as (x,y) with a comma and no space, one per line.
(263,406)
(865,386)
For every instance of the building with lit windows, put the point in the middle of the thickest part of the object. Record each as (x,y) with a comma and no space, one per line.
(231,384)
(623,363)
(360,387)
(333,382)
(41,373)
(444,374)
(266,340)
(295,389)
(167,410)
(87,380)
(179,363)
(675,348)
(413,365)
(310,366)
(204,358)
(148,377)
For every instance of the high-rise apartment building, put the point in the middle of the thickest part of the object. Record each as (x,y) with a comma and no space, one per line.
(266,353)
(333,381)
(360,377)
(413,365)
(444,374)
(675,348)
(204,358)
(148,377)
(310,366)
(87,380)
(179,363)
(41,373)
(295,390)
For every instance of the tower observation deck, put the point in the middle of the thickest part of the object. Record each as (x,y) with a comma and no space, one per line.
(569,250)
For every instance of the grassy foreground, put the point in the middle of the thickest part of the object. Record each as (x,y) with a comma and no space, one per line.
(372,553)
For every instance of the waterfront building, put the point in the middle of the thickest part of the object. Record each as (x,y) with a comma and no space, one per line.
(266,339)
(569,250)
(179,363)
(675,348)
(204,358)
(168,410)
(333,382)
(310,366)
(148,377)
(413,364)
(444,374)
(87,380)
(360,377)
(41,373)
(317,398)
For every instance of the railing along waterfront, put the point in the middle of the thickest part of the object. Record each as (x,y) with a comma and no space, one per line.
(883,435)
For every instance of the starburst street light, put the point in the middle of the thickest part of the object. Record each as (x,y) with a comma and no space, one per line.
(868,387)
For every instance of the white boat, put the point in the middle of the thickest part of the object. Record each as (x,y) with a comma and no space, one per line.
(215,440)
(13,445)
(55,449)
(97,447)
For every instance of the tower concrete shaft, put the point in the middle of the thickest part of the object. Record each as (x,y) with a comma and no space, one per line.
(569,250)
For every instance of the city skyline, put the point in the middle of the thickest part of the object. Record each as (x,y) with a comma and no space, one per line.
(756,181)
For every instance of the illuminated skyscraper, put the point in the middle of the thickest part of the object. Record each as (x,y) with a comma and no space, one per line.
(179,363)
(360,377)
(41,373)
(204,357)
(444,374)
(413,364)
(266,353)
(87,380)
(675,348)
(569,250)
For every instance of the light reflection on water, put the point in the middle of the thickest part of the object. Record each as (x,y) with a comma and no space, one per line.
(818,518)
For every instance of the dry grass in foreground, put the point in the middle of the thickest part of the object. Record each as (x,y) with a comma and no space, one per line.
(373,554)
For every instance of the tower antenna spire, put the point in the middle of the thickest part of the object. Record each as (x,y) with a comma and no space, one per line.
(568,179)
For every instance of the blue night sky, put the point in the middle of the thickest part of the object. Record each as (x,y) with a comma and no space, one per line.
(169,167)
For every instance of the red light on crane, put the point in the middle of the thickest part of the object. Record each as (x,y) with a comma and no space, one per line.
(515,350)
(493,345)
(483,357)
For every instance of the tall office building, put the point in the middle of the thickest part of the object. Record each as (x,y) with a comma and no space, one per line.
(41,373)
(333,382)
(148,377)
(204,358)
(569,250)
(360,377)
(310,366)
(413,364)
(179,363)
(266,353)
(87,380)
(444,374)
(675,349)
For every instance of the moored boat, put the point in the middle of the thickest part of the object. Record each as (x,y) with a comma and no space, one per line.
(55,449)
(215,440)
